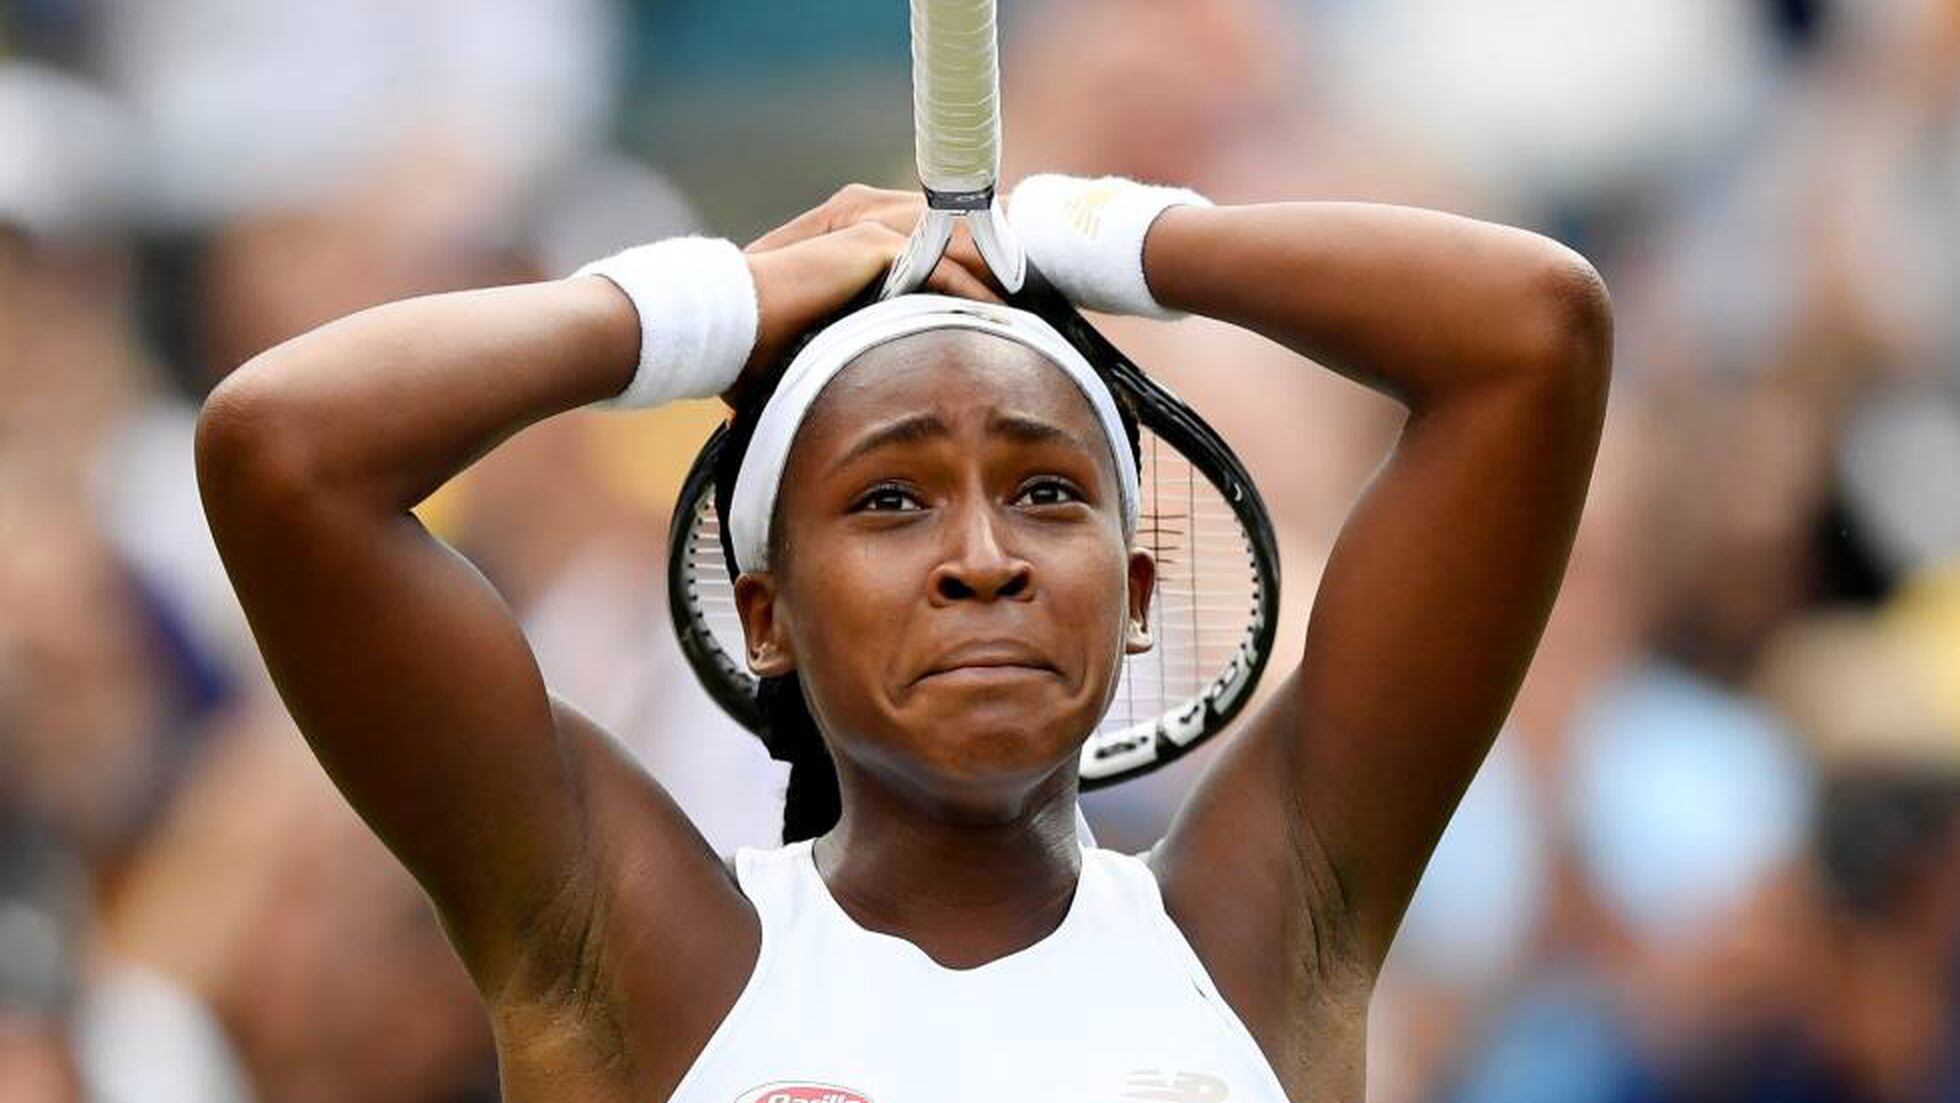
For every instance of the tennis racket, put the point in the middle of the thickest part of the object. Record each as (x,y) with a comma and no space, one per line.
(1215,609)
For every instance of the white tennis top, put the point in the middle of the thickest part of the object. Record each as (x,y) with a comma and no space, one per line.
(1112,1007)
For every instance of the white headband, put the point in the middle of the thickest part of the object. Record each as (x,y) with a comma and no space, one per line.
(832,349)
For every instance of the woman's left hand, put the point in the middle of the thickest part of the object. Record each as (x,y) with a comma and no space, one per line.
(808,269)
(858,203)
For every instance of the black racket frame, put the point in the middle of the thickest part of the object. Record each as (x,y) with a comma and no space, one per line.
(733,687)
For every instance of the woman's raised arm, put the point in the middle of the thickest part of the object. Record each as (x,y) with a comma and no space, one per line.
(403,668)
(1308,836)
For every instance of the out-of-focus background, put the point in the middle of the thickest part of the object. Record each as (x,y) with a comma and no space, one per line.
(1714,856)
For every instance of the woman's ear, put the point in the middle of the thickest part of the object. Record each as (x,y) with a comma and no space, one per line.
(1143,586)
(757,601)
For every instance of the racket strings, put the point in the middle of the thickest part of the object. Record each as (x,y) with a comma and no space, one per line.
(1207,592)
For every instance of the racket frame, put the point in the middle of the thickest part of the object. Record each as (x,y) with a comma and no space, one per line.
(1111,757)
(992,234)
(1108,757)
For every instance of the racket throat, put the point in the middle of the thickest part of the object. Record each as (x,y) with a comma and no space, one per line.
(999,247)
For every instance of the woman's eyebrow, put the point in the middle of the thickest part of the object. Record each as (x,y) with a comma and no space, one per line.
(913,428)
(1032,430)
(905,430)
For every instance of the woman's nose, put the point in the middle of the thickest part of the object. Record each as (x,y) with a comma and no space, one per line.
(977,567)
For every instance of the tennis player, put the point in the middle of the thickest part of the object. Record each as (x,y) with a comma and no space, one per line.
(944,559)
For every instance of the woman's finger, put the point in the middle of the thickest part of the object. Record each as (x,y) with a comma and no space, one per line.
(960,272)
(962,248)
(878,245)
(902,212)
(895,211)
(839,264)
(851,204)
(809,224)
(953,278)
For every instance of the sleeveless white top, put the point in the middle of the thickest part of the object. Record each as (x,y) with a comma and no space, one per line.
(1112,1007)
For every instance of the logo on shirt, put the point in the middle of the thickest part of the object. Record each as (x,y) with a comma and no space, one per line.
(1152,1086)
(796,1091)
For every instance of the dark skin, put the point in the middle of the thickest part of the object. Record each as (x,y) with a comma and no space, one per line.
(569,882)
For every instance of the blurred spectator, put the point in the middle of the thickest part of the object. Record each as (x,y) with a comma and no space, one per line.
(250,106)
(1556,104)
(1870,1010)
(111,628)
(1623,826)
(313,970)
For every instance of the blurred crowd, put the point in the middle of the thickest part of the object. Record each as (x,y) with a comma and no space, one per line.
(1715,854)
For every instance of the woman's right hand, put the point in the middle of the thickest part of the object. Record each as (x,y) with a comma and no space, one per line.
(813,265)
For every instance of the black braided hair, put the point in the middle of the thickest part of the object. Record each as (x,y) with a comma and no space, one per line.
(813,803)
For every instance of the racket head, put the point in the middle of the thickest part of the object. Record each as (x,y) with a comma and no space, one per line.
(1217,550)
(701,593)
(1213,616)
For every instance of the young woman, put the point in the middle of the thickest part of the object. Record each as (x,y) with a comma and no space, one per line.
(945,568)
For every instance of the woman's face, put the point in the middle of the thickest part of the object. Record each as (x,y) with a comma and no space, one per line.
(951,580)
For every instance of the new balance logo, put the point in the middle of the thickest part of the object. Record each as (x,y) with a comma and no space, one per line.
(1084,210)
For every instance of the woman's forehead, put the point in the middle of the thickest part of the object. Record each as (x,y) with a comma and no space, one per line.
(958,370)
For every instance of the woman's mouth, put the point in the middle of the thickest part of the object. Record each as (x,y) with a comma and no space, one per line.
(987,662)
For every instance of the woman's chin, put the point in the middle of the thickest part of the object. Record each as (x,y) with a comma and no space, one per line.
(1014,697)
(996,741)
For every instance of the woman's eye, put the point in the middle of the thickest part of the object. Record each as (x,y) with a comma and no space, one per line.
(888,499)
(1049,492)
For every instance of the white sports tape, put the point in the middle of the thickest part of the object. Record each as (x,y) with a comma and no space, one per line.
(698,317)
(829,352)
(1086,236)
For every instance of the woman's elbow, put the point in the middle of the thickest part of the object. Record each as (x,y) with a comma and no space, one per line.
(1571,319)
(251,439)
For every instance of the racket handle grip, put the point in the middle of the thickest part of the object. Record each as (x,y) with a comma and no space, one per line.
(956,99)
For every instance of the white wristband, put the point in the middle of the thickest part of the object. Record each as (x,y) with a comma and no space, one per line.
(698,316)
(1087,236)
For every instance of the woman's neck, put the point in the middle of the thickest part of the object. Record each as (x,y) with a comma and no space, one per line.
(965,893)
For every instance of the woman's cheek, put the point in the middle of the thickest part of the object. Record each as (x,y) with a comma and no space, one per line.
(866,601)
